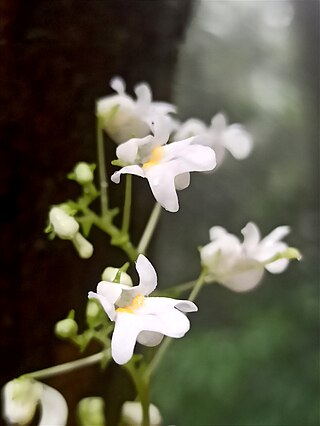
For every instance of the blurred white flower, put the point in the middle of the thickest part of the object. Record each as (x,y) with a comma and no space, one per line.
(124,118)
(20,398)
(131,414)
(67,228)
(219,136)
(138,317)
(166,166)
(240,266)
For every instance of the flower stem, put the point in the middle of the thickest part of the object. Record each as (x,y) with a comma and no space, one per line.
(149,230)
(102,168)
(68,366)
(142,386)
(196,289)
(127,204)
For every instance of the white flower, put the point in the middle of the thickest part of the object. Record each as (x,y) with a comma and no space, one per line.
(67,228)
(20,398)
(131,414)
(123,117)
(240,266)
(138,317)
(219,136)
(166,166)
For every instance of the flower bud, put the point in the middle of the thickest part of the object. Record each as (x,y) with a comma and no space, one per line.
(83,246)
(20,399)
(91,411)
(131,414)
(64,225)
(83,173)
(66,328)
(110,274)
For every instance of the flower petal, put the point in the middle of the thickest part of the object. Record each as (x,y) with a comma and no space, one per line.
(244,278)
(182,181)
(127,327)
(278,266)
(238,141)
(133,170)
(251,236)
(128,151)
(276,235)
(218,123)
(107,294)
(144,96)
(118,85)
(149,338)
(216,232)
(147,275)
(53,406)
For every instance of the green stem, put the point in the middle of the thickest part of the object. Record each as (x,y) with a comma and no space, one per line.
(127,204)
(149,230)
(142,385)
(196,289)
(68,366)
(102,168)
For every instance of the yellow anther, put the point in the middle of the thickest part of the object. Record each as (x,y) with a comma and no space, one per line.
(155,158)
(136,303)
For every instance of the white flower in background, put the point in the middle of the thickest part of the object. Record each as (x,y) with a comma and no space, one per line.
(67,228)
(139,318)
(20,398)
(124,118)
(131,414)
(219,136)
(166,166)
(240,266)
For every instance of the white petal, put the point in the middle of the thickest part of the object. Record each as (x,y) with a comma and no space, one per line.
(107,294)
(218,123)
(276,235)
(162,183)
(163,108)
(278,266)
(251,236)
(190,158)
(147,275)
(216,232)
(118,85)
(128,151)
(53,406)
(126,330)
(182,181)
(238,141)
(133,170)
(149,338)
(144,95)
(191,127)
(245,277)
(161,126)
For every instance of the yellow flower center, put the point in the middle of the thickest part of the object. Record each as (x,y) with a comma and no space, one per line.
(156,156)
(136,303)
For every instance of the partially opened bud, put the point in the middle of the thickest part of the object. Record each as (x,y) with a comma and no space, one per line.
(64,225)
(83,246)
(110,274)
(131,414)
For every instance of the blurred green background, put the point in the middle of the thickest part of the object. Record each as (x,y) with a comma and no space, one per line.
(249,359)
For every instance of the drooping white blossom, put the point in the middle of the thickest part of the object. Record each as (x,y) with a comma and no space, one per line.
(20,398)
(124,118)
(166,166)
(219,136)
(138,317)
(240,265)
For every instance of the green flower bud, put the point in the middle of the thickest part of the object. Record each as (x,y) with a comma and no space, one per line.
(83,173)
(66,328)
(110,274)
(91,411)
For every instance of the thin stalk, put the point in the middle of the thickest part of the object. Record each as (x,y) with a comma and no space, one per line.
(167,341)
(149,230)
(142,386)
(127,204)
(102,169)
(68,366)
